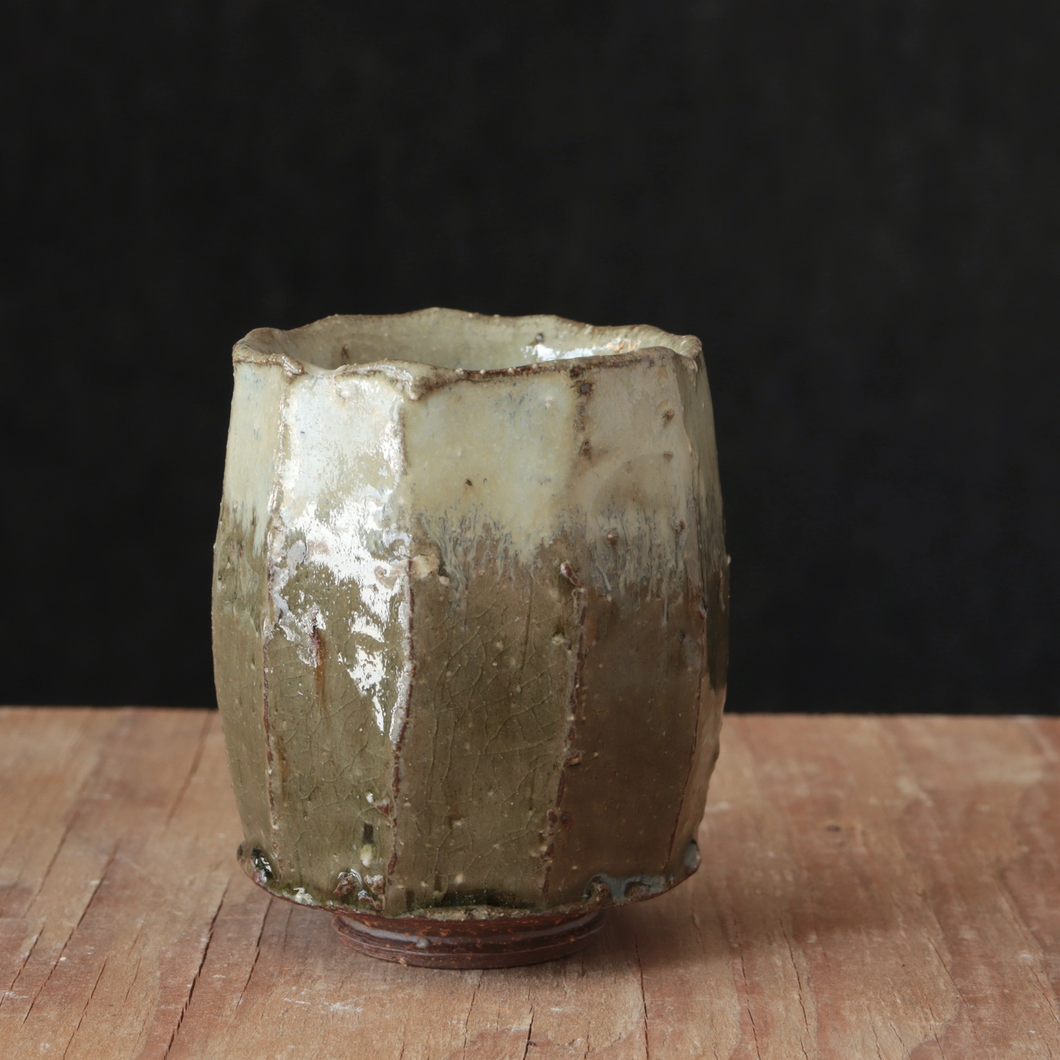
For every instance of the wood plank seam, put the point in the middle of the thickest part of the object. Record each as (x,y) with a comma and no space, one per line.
(202,961)
(73,931)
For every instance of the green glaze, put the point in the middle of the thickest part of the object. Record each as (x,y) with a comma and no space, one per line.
(470,612)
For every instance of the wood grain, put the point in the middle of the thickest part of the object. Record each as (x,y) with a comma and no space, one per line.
(871,887)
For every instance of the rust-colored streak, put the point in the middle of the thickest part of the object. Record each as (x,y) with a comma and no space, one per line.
(319,661)
(579,597)
(395,783)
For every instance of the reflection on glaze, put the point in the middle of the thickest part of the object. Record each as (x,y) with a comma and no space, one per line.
(342,459)
(538,352)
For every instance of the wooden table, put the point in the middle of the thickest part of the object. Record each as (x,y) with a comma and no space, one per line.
(871,887)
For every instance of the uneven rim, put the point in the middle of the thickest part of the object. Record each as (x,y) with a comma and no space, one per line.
(273,346)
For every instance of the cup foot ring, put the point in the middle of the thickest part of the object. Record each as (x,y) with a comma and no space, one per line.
(500,943)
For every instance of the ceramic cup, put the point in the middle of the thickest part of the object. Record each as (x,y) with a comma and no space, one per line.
(469,612)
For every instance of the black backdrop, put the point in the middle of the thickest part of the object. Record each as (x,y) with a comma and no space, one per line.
(855,205)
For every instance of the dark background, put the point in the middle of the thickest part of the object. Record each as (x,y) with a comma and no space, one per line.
(856,206)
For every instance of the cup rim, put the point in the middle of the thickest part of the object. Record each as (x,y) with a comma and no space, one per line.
(299,351)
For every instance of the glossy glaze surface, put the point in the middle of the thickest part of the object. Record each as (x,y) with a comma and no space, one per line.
(470,604)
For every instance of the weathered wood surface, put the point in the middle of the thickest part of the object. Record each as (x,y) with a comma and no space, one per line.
(871,887)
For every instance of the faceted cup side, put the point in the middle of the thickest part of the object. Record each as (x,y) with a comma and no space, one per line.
(470,631)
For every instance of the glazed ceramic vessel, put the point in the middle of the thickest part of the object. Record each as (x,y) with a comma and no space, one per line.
(469,611)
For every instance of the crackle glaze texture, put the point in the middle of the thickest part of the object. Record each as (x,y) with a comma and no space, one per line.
(470,608)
